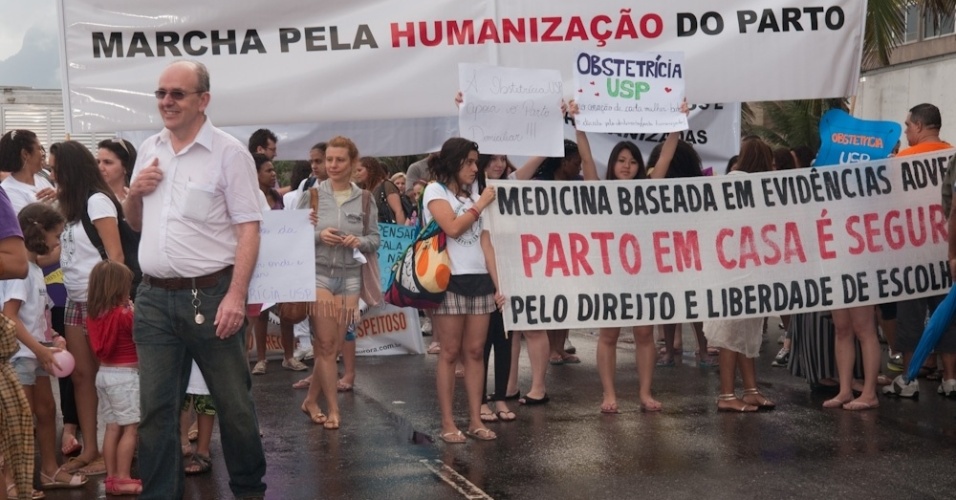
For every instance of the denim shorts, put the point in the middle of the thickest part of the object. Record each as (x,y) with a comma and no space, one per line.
(28,369)
(344,281)
(118,391)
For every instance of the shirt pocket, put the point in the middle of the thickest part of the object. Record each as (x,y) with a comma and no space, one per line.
(199,201)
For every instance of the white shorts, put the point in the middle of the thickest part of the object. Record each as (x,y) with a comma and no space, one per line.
(118,391)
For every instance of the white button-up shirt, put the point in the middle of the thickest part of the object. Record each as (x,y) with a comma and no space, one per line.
(207,188)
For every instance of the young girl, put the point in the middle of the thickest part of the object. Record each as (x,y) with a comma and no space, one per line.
(461,322)
(110,326)
(25,301)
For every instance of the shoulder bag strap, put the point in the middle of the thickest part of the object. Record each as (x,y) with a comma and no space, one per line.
(366,199)
(92,233)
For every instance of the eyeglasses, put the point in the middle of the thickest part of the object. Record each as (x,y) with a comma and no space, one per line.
(177,95)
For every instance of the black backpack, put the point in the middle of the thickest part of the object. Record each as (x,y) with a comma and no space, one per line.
(129,239)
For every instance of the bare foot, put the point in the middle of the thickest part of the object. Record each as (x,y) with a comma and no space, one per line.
(650,404)
(862,403)
(609,406)
(838,401)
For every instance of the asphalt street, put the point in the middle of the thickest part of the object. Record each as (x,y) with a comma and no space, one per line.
(388,444)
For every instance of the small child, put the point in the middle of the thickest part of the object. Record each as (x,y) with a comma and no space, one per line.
(25,302)
(198,399)
(110,326)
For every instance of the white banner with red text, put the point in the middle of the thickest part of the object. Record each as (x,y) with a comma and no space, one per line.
(593,254)
(389,330)
(283,62)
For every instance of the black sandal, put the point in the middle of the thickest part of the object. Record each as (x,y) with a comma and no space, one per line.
(529,401)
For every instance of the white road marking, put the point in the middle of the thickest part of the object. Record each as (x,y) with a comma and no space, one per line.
(455,480)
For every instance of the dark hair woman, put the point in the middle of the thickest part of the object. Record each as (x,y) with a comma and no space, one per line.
(461,322)
(83,193)
(371,175)
(116,158)
(267,180)
(22,156)
(626,163)
(739,339)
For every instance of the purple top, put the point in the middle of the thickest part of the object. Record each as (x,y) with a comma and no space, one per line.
(9,226)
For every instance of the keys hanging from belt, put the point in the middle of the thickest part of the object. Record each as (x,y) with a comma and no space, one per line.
(200,319)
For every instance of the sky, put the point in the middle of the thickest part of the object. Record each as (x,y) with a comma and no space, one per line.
(29,42)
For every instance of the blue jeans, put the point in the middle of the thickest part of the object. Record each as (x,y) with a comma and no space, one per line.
(167,339)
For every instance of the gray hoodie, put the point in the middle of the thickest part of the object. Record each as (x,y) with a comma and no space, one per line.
(348,219)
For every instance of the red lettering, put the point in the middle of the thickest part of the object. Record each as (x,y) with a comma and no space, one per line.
(658,25)
(603,238)
(721,256)
(629,240)
(872,232)
(408,33)
(660,251)
(530,252)
(464,34)
(576,29)
(748,247)
(860,243)
(895,237)
(513,29)
(435,40)
(552,26)
(792,246)
(938,222)
(824,237)
(687,248)
(766,234)
(556,258)
(579,254)
(489,32)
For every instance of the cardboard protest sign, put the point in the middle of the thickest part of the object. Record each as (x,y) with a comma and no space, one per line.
(285,269)
(511,110)
(388,330)
(714,133)
(847,139)
(595,254)
(629,91)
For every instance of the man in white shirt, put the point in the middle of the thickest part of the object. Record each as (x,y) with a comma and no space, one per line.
(195,198)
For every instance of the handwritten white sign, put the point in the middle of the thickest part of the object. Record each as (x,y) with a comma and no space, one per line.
(512,111)
(285,271)
(629,91)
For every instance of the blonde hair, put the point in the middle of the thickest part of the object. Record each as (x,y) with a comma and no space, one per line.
(110,284)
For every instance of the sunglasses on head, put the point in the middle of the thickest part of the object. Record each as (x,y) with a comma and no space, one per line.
(122,144)
(177,95)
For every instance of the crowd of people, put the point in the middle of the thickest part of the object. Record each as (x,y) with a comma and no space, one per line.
(157,245)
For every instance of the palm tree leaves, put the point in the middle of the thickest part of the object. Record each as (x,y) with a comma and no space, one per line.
(793,123)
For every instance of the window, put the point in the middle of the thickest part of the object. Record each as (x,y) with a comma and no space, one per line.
(936,26)
(912,24)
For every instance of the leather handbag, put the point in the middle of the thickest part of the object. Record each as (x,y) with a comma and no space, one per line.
(296,312)
(371,276)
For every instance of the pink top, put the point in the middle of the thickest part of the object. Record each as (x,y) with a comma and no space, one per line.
(111,336)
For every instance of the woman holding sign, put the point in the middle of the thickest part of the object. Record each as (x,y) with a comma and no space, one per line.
(739,339)
(461,322)
(344,211)
(626,163)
